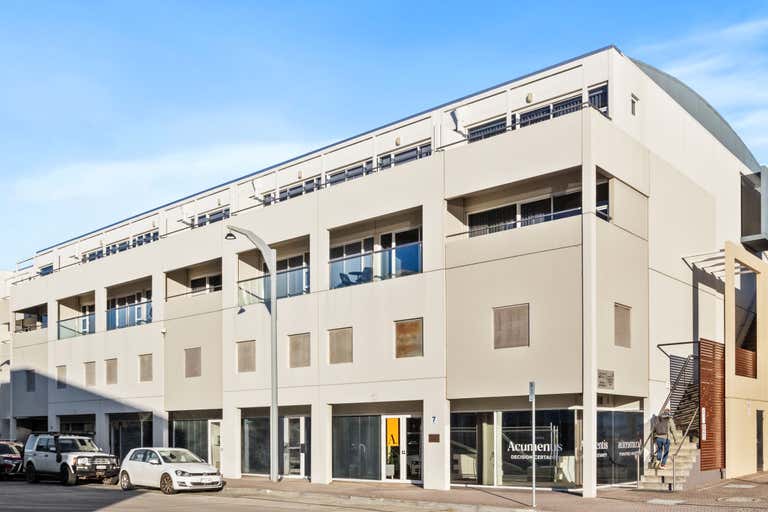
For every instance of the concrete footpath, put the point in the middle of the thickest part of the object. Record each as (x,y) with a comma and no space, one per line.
(749,493)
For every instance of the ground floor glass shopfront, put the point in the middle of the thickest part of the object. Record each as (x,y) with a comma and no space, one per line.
(374,447)
(294,443)
(494,448)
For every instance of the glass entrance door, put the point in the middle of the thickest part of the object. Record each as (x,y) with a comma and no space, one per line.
(293,446)
(214,443)
(402,448)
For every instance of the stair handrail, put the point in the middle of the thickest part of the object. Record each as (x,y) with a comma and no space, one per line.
(680,445)
(672,389)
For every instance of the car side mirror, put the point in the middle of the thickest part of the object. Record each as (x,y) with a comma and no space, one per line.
(155,462)
(52,449)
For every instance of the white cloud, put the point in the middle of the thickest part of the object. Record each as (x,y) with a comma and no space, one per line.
(728,66)
(160,175)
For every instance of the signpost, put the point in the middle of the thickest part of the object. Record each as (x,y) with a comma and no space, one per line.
(532,399)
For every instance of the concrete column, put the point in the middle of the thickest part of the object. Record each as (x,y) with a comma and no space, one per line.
(436,456)
(231,426)
(53,320)
(101,426)
(160,428)
(12,429)
(101,309)
(589,310)
(322,441)
(53,422)
(158,297)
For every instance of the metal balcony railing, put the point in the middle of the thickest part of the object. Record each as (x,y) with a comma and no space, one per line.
(387,263)
(291,282)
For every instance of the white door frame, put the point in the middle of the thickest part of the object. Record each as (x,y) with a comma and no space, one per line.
(286,444)
(403,448)
(210,446)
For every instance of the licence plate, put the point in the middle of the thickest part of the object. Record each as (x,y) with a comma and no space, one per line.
(101,466)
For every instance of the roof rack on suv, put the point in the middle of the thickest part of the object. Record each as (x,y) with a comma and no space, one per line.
(57,434)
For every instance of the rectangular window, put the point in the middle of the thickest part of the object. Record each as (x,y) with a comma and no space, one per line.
(90,373)
(602,203)
(385,161)
(61,377)
(511,326)
(489,129)
(536,212)
(30,374)
(44,271)
(145,368)
(409,339)
(406,156)
(598,98)
(566,106)
(340,345)
(337,177)
(535,116)
(192,362)
(299,349)
(246,356)
(622,329)
(111,370)
(356,446)
(492,221)
(566,205)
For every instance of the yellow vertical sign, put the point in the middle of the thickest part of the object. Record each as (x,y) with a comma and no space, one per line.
(393,432)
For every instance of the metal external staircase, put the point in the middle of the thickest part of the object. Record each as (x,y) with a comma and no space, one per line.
(684,443)
(683,456)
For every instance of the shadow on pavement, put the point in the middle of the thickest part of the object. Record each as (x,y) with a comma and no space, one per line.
(18,495)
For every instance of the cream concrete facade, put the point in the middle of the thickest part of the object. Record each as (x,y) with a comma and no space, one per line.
(673,190)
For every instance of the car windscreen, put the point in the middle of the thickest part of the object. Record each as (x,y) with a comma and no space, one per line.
(77,445)
(9,449)
(178,456)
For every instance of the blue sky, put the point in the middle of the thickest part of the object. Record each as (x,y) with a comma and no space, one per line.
(111,108)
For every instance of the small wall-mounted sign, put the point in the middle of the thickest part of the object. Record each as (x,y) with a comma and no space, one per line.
(434,438)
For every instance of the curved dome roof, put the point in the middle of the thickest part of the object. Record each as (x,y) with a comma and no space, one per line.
(703,112)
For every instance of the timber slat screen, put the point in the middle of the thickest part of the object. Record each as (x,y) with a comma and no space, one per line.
(712,417)
(746,362)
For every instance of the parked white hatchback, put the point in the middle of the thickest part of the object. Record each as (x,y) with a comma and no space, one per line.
(168,469)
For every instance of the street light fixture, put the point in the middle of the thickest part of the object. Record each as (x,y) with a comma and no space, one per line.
(270,258)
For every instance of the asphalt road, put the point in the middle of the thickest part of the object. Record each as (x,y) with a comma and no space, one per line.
(50,496)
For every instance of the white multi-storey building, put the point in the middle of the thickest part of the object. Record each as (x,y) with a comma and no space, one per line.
(576,227)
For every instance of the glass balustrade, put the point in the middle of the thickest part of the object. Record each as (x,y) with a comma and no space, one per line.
(77,326)
(129,315)
(387,263)
(290,282)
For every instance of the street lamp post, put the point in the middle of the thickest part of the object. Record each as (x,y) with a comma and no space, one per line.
(270,257)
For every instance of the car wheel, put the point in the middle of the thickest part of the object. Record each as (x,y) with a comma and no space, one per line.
(67,476)
(111,480)
(125,481)
(166,484)
(31,473)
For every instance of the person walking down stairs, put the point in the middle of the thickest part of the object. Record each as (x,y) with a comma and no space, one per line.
(661,432)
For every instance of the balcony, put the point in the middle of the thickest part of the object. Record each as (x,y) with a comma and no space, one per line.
(202,278)
(130,315)
(77,326)
(292,261)
(399,261)
(77,316)
(290,283)
(31,319)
